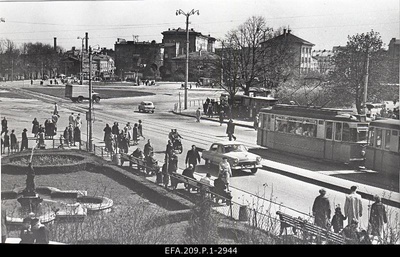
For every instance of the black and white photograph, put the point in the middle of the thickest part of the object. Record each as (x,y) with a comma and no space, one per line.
(200,127)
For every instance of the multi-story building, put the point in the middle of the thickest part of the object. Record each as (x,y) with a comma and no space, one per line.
(299,49)
(323,60)
(105,66)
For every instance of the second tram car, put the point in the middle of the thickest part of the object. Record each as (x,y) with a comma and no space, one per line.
(331,134)
(383,149)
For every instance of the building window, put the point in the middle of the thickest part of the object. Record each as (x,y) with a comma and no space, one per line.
(329,130)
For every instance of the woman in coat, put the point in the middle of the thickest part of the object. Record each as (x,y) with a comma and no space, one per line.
(35,127)
(377,218)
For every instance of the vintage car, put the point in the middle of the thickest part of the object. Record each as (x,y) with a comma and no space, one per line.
(238,156)
(146,106)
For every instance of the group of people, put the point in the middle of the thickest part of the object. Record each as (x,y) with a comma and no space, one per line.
(10,141)
(72,133)
(117,139)
(33,231)
(352,213)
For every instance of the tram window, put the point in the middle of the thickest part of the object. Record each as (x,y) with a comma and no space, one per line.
(378,142)
(281,126)
(395,133)
(338,133)
(346,132)
(266,120)
(361,136)
(387,139)
(329,130)
(371,137)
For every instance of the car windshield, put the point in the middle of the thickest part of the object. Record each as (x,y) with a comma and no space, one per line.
(235,148)
(147,103)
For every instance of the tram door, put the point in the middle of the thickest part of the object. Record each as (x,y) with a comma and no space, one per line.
(329,142)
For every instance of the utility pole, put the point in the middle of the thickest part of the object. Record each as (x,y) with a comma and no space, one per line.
(90,103)
(366,84)
(187,48)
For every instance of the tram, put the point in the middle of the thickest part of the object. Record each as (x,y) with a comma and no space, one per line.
(383,149)
(331,134)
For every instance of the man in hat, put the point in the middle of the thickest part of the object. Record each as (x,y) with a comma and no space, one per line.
(192,157)
(322,210)
(40,232)
(24,141)
(353,206)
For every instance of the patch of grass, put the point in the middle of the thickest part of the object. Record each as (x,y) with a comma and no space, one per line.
(39,160)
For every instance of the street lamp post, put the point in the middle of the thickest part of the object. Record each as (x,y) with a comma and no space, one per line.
(187,48)
(90,127)
(81,68)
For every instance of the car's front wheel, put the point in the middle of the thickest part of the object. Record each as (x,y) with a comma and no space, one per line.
(253,170)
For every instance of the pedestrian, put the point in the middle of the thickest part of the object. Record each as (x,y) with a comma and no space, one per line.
(140,130)
(107,131)
(66,136)
(173,167)
(230,130)
(55,112)
(169,149)
(189,172)
(207,179)
(78,121)
(152,164)
(71,119)
(24,141)
(4,126)
(225,171)
(6,142)
(337,220)
(198,114)
(353,206)
(255,124)
(148,148)
(210,111)
(40,232)
(165,175)
(135,134)
(192,157)
(71,134)
(322,210)
(35,127)
(221,117)
(77,136)
(377,218)
(14,142)
(128,132)
(31,81)
(124,142)
(109,143)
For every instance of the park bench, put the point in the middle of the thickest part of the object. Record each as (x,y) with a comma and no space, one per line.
(141,164)
(309,230)
(199,187)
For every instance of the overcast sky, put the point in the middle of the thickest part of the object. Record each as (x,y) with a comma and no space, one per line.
(325,23)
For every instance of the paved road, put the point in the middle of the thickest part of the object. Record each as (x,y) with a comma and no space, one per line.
(290,192)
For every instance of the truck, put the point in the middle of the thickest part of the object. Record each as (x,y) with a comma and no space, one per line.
(78,93)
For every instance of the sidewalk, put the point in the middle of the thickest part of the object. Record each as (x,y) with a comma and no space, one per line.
(391,198)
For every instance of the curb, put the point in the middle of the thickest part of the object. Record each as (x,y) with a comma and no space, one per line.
(210,119)
(339,188)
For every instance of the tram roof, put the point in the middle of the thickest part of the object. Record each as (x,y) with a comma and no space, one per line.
(386,123)
(313,112)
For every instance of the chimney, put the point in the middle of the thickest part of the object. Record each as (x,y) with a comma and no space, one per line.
(86,41)
(289,31)
(284,31)
(73,48)
(55,44)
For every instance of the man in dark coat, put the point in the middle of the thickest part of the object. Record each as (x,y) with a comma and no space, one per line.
(40,232)
(192,157)
(66,136)
(322,210)
(148,148)
(13,139)
(24,141)
(107,130)
(35,127)
(6,141)
(3,125)
(377,218)
(230,130)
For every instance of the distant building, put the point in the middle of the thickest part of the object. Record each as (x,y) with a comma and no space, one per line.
(300,49)
(324,60)
(138,60)
(105,66)
(394,48)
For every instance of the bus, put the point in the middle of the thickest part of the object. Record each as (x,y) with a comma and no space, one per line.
(330,134)
(383,149)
